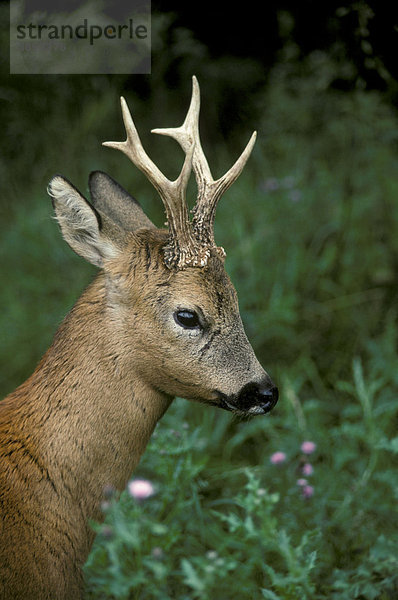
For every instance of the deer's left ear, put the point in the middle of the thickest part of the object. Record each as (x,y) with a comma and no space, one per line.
(91,234)
(111,199)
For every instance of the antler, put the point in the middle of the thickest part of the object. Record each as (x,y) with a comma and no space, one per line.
(183,249)
(209,190)
(189,244)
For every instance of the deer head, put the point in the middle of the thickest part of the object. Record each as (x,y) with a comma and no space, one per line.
(175,311)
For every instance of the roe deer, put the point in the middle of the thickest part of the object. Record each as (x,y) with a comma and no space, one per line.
(161,319)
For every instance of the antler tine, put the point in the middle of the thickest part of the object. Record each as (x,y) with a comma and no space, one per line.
(187,135)
(209,190)
(182,248)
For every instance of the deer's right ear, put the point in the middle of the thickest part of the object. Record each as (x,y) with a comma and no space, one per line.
(89,233)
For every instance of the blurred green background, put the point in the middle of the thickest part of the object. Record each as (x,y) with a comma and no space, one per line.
(311,234)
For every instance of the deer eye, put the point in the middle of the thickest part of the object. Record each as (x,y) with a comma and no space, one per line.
(188,319)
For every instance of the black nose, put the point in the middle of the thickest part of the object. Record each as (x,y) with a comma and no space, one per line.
(260,397)
(268,398)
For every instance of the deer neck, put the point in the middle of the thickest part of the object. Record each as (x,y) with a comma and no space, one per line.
(93,415)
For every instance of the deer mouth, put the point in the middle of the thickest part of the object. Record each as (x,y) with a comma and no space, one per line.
(253,399)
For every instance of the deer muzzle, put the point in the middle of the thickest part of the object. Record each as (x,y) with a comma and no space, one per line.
(253,399)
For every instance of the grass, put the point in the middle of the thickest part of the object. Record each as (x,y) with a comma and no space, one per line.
(311,233)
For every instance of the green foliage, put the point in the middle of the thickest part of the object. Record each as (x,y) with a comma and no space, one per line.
(187,543)
(311,233)
(251,532)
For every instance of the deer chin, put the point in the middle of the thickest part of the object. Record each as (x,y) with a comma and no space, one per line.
(253,399)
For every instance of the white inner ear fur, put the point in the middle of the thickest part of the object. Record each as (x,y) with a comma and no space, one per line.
(79,224)
(71,209)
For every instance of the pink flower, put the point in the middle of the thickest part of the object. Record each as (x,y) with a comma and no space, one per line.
(307,469)
(271,184)
(107,532)
(301,482)
(140,489)
(157,552)
(308,491)
(278,458)
(308,447)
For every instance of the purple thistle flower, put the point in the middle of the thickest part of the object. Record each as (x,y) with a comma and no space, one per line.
(301,482)
(140,489)
(307,469)
(308,447)
(271,184)
(107,532)
(277,458)
(307,491)
(157,553)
